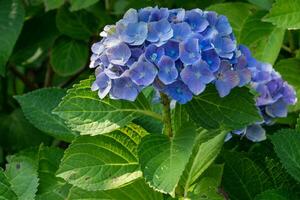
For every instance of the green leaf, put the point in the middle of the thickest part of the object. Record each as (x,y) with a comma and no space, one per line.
(286,145)
(163,159)
(17,133)
(209,145)
(85,112)
(33,46)
(6,193)
(264,4)
(103,162)
(208,185)
(68,56)
(274,195)
(11,22)
(137,190)
(53,4)
(290,71)
(263,39)
(79,4)
(285,14)
(242,178)
(50,186)
(37,107)
(234,111)
(236,13)
(22,174)
(78,25)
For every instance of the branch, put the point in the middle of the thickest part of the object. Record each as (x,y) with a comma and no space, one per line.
(23,78)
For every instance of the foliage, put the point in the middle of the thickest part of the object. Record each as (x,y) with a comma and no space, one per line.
(59,140)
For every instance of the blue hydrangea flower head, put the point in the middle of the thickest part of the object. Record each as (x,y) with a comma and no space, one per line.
(179,52)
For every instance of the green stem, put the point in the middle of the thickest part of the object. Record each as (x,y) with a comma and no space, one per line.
(166,115)
(291,41)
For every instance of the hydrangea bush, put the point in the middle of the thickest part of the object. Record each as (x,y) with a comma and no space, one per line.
(191,103)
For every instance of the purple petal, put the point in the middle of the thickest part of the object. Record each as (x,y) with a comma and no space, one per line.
(118,54)
(256,133)
(143,73)
(167,70)
(124,88)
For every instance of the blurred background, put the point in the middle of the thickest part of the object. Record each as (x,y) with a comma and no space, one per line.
(46,43)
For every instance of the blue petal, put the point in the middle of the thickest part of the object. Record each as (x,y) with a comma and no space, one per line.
(223,27)
(176,15)
(181,31)
(118,54)
(212,59)
(179,92)
(102,84)
(124,88)
(277,109)
(154,53)
(256,133)
(189,51)
(167,70)
(171,49)
(143,73)
(223,88)
(197,22)
(135,33)
(98,48)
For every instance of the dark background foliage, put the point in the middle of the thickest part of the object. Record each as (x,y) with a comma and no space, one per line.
(46,44)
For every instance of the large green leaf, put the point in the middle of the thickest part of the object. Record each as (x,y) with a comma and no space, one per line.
(208,185)
(68,56)
(163,159)
(33,46)
(285,14)
(78,25)
(137,190)
(50,186)
(234,111)
(11,22)
(79,4)
(286,145)
(242,178)
(17,133)
(290,71)
(85,112)
(208,146)
(53,4)
(22,173)
(6,193)
(236,12)
(103,162)
(263,39)
(37,107)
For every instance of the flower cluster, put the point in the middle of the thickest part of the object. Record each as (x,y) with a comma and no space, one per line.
(178,52)
(274,95)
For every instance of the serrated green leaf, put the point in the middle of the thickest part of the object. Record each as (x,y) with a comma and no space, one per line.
(103,162)
(286,145)
(37,107)
(11,22)
(33,46)
(85,112)
(285,14)
(53,4)
(22,173)
(234,111)
(209,144)
(137,190)
(6,193)
(242,178)
(263,39)
(163,159)
(68,56)
(79,4)
(236,12)
(78,25)
(274,195)
(50,186)
(290,71)
(17,133)
(208,185)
